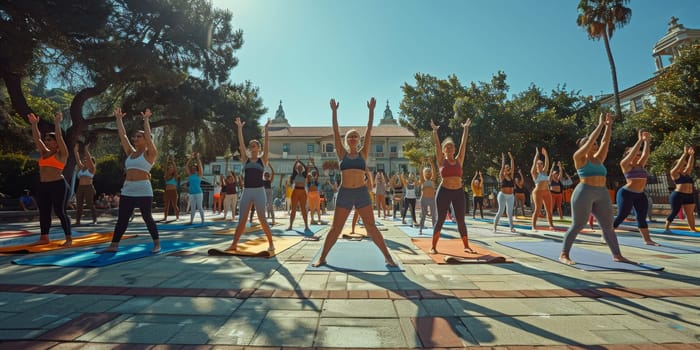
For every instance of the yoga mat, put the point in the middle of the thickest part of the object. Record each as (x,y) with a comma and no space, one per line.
(90,259)
(359,234)
(258,247)
(298,231)
(504,223)
(363,256)
(93,238)
(637,242)
(248,229)
(12,234)
(587,260)
(30,239)
(451,251)
(427,232)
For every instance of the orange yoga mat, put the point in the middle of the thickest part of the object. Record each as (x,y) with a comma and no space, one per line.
(452,251)
(93,238)
(258,247)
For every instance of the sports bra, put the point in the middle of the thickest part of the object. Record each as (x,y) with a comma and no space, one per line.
(591,169)
(553,184)
(299,180)
(352,163)
(450,170)
(683,179)
(51,162)
(507,183)
(637,172)
(541,177)
(84,172)
(139,163)
(428,184)
(171,181)
(253,172)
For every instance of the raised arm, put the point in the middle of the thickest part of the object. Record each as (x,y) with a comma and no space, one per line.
(266,147)
(691,160)
(647,148)
(76,155)
(626,162)
(463,142)
(90,161)
(602,153)
(123,138)
(151,151)
(533,170)
(36,135)
(200,167)
(272,170)
(62,148)
(188,164)
(675,171)
(432,169)
(241,143)
(439,157)
(512,164)
(403,180)
(368,133)
(582,151)
(339,147)
(546,159)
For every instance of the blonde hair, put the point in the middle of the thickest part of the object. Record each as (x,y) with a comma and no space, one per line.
(351,131)
(447,141)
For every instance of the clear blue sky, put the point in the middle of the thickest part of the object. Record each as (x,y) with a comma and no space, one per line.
(304,52)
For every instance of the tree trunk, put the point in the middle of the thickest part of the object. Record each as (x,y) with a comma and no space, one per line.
(13,83)
(79,125)
(613,71)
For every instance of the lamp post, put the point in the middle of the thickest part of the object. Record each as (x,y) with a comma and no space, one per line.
(227,157)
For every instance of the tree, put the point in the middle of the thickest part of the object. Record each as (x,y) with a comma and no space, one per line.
(600,18)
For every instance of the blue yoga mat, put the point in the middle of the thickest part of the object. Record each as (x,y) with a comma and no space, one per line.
(361,256)
(427,232)
(195,224)
(587,260)
(636,242)
(504,222)
(297,231)
(90,259)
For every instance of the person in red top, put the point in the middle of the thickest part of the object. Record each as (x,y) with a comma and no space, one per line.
(450,190)
(53,188)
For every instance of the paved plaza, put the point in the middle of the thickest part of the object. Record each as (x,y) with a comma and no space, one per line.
(190,300)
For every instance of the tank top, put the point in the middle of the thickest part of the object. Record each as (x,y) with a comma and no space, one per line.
(195,184)
(411,190)
(139,163)
(230,189)
(541,177)
(299,180)
(478,190)
(253,172)
(507,183)
(450,170)
(171,181)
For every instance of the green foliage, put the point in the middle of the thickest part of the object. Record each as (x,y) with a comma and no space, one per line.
(17,172)
(110,174)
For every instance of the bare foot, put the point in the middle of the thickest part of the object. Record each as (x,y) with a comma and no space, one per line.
(271,248)
(512,229)
(469,250)
(433,251)
(320,262)
(650,242)
(67,243)
(156,249)
(289,228)
(231,248)
(622,259)
(551,228)
(391,263)
(566,260)
(43,240)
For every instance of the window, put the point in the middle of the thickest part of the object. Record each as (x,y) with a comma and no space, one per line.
(392,148)
(285,148)
(216,169)
(638,104)
(309,148)
(379,148)
(380,167)
(328,148)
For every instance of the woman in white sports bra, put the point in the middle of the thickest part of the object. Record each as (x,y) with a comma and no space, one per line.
(427,194)
(137,190)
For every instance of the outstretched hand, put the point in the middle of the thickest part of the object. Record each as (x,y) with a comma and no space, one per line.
(118,113)
(146,114)
(467,123)
(33,119)
(608,119)
(58,117)
(645,136)
(691,151)
(334,104)
(432,125)
(239,122)
(371,104)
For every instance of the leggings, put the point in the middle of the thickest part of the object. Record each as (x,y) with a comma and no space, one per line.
(505,203)
(425,203)
(557,201)
(85,194)
(230,204)
(253,196)
(585,200)
(53,194)
(196,200)
(677,200)
(478,202)
(170,199)
(268,203)
(409,202)
(627,199)
(444,198)
(126,209)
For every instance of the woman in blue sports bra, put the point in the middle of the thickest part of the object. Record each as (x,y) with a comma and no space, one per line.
(682,196)
(254,159)
(540,194)
(591,194)
(170,194)
(632,193)
(353,190)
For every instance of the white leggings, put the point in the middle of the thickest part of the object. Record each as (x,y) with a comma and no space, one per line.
(505,202)
(196,204)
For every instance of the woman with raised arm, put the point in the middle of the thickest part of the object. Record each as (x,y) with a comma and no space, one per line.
(591,194)
(682,196)
(353,191)
(427,194)
(269,199)
(253,187)
(195,173)
(230,193)
(556,189)
(86,191)
(632,193)
(380,194)
(477,187)
(519,192)
(298,181)
(409,185)
(540,194)
(450,190)
(53,188)
(137,190)
(506,198)
(170,195)
(397,198)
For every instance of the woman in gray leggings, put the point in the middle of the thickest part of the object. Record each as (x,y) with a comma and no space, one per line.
(591,195)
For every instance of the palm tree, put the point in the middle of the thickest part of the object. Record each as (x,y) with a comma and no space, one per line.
(600,18)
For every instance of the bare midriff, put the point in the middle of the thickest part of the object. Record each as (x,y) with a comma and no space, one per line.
(636,185)
(684,188)
(353,178)
(85,180)
(49,174)
(137,175)
(595,181)
(452,182)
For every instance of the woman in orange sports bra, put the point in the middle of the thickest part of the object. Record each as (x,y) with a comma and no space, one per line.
(53,188)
